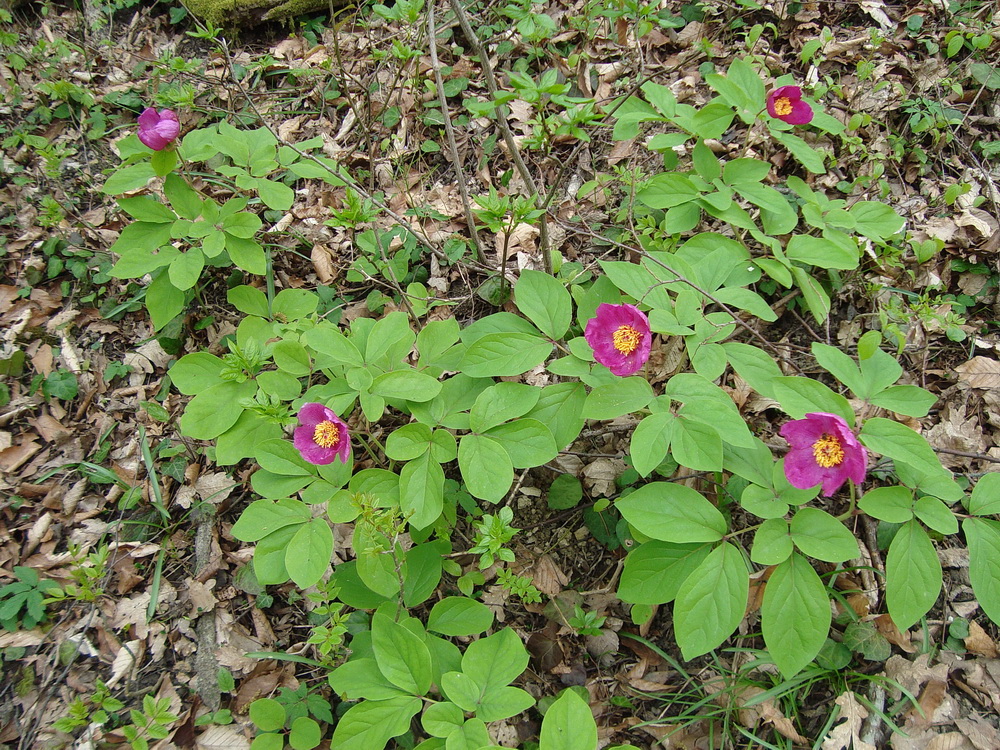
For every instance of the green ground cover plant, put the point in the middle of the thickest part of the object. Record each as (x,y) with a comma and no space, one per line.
(380,436)
(439,382)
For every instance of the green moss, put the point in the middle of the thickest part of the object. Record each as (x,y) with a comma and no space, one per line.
(234,13)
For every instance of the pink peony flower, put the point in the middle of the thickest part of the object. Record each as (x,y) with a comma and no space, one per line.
(322,435)
(158,129)
(786,104)
(620,338)
(823,450)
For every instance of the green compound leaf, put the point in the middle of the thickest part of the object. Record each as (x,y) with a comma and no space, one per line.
(816,297)
(241,440)
(560,408)
(711,602)
(545,301)
(772,544)
(215,410)
(495,662)
(800,396)
(667,189)
(294,304)
(361,679)
(502,703)
(371,724)
(696,445)
(651,441)
(292,358)
(820,535)
(408,442)
(163,300)
(246,253)
(795,615)
(892,504)
(442,719)
(623,396)
(654,571)
(900,443)
(267,714)
(753,365)
(983,537)
(820,252)
(401,655)
(807,156)
(985,499)
(421,491)
(500,403)
(527,441)
(461,689)
(568,725)
(841,366)
(129,178)
(269,556)
(911,400)
(486,467)
(309,553)
(936,515)
(337,349)
(305,734)
(498,354)
(144,208)
(409,385)
(672,513)
(186,268)
(913,575)
(876,220)
(458,616)
(565,492)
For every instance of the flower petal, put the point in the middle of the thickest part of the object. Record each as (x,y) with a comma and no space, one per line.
(801,433)
(801,113)
(801,469)
(600,330)
(313,413)
(791,92)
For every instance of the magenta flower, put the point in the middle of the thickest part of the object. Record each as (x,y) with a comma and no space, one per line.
(620,338)
(158,129)
(322,435)
(823,450)
(786,104)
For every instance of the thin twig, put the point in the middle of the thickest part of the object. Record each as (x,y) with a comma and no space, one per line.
(681,279)
(449,131)
(508,136)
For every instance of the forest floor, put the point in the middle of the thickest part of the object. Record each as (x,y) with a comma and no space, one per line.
(100,493)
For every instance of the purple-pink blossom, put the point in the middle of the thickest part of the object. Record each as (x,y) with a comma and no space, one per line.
(158,129)
(823,450)
(620,338)
(321,435)
(785,103)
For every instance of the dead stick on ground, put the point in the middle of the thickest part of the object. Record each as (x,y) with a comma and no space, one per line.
(205,663)
(508,136)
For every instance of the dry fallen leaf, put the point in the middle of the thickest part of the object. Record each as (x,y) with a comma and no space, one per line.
(845,736)
(125,659)
(221,738)
(888,629)
(979,642)
(980,732)
(980,372)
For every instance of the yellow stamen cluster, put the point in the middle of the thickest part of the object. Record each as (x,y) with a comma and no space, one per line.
(326,434)
(783,106)
(626,339)
(828,451)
